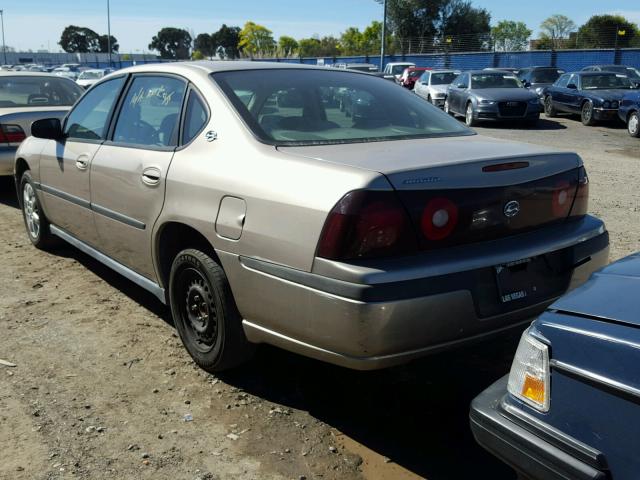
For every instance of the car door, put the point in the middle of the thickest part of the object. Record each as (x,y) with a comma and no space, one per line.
(574,95)
(456,91)
(559,93)
(128,173)
(65,164)
(422,85)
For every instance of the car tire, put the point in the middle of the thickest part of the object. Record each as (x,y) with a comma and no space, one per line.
(549,110)
(469,116)
(446,107)
(35,220)
(633,124)
(429,99)
(205,314)
(586,114)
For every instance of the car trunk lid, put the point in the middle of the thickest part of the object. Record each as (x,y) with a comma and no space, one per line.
(16,120)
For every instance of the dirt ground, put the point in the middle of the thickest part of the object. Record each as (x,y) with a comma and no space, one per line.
(104,389)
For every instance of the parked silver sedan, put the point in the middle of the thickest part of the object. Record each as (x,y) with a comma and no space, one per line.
(242,196)
(433,84)
(25,97)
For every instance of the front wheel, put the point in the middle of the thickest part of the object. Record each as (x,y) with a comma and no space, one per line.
(34,218)
(446,107)
(633,125)
(469,116)
(549,110)
(586,114)
(205,313)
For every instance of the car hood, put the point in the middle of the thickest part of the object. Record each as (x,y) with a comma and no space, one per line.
(504,94)
(442,162)
(611,294)
(608,95)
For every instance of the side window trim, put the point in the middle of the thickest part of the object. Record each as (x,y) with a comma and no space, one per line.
(120,104)
(110,115)
(183,115)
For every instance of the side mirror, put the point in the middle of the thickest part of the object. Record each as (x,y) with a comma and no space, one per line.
(572,86)
(47,128)
(527,84)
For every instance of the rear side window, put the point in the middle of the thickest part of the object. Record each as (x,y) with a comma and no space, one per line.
(88,120)
(35,91)
(151,112)
(195,117)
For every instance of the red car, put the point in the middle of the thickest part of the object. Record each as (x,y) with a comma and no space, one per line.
(411,75)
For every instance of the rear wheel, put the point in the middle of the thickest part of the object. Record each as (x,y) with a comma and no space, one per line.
(549,110)
(586,114)
(34,218)
(469,116)
(205,313)
(633,124)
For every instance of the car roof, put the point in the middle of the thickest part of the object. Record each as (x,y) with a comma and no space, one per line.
(209,66)
(486,71)
(611,293)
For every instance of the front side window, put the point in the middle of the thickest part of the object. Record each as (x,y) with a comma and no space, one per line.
(195,118)
(88,120)
(35,91)
(563,81)
(494,80)
(317,107)
(151,112)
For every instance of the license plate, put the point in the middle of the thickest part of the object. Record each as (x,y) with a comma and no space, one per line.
(515,280)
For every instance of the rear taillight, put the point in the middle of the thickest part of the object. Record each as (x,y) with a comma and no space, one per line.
(439,218)
(581,202)
(562,199)
(11,134)
(366,224)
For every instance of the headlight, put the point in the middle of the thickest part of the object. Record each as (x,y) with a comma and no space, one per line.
(606,105)
(529,375)
(487,102)
(539,90)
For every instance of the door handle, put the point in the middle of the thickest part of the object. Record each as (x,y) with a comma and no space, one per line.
(151,176)
(82,163)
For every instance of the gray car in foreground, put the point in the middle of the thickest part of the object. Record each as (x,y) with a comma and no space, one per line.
(242,196)
(24,98)
(481,95)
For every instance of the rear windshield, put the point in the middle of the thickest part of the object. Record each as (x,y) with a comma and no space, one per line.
(90,75)
(306,107)
(442,78)
(605,81)
(494,80)
(544,76)
(37,91)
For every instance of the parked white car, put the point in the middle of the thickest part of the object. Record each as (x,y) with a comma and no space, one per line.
(432,85)
(87,78)
(397,69)
(66,72)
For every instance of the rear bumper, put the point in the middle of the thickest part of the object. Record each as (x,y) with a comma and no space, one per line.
(535,453)
(7,159)
(375,318)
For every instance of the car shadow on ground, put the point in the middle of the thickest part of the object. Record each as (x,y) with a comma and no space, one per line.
(542,124)
(8,192)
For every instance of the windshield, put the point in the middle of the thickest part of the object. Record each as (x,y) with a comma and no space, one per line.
(442,78)
(398,69)
(544,76)
(90,75)
(305,107)
(605,81)
(415,73)
(494,80)
(37,92)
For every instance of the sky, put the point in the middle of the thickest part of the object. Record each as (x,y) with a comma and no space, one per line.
(37,24)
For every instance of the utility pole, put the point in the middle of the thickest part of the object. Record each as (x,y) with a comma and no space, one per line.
(384,34)
(109,32)
(4,47)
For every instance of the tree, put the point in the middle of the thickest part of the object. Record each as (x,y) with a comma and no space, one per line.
(351,41)
(371,38)
(467,27)
(203,44)
(607,31)
(225,42)
(329,46)
(172,43)
(510,36)
(309,47)
(555,31)
(287,46)
(103,41)
(79,40)
(197,55)
(256,40)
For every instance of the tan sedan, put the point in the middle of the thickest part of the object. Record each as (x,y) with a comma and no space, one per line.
(241,194)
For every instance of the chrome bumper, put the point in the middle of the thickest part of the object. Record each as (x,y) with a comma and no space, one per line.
(381,322)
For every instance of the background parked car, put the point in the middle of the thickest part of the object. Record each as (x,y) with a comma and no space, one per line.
(570,407)
(513,70)
(432,85)
(410,75)
(89,77)
(24,98)
(538,78)
(595,96)
(491,95)
(360,67)
(632,73)
(396,69)
(629,112)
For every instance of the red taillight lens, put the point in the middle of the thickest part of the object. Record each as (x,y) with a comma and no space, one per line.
(562,199)
(11,134)
(367,224)
(439,219)
(581,202)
